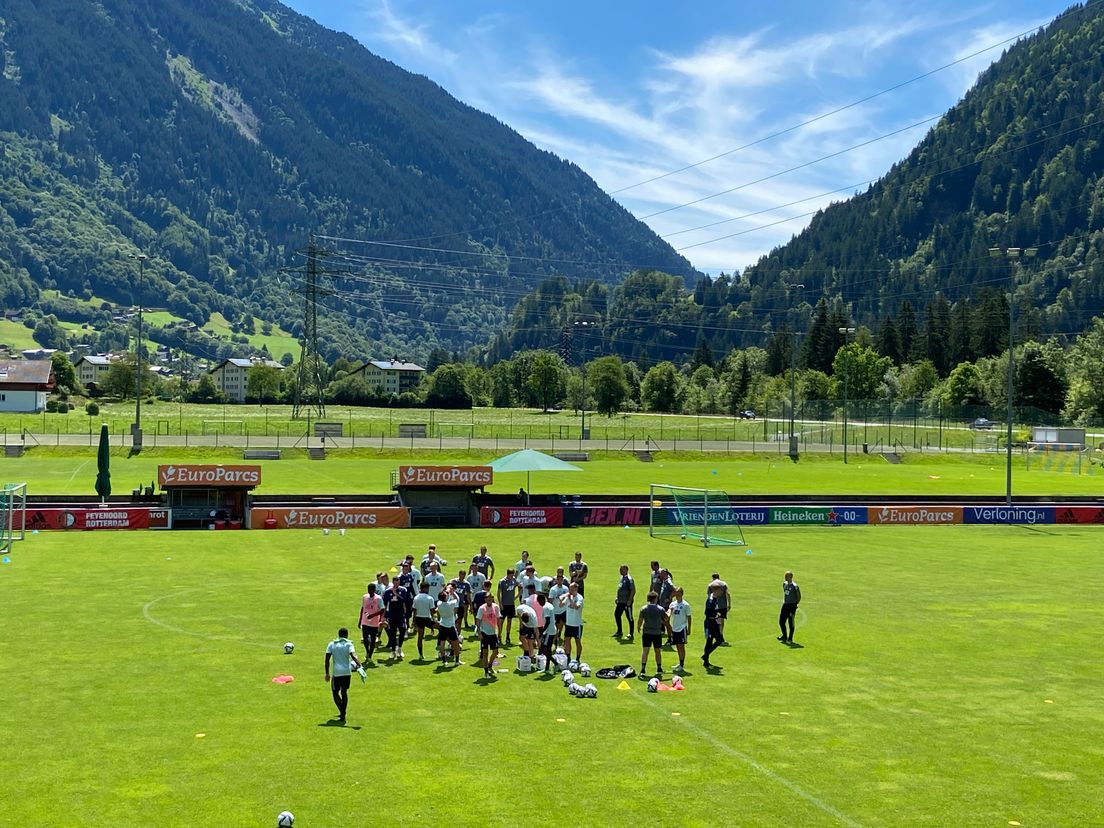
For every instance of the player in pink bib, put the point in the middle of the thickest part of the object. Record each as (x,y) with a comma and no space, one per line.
(371,616)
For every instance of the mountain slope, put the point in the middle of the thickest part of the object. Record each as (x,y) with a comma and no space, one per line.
(216,135)
(1019,162)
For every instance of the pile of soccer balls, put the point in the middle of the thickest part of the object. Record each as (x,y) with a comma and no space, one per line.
(580,691)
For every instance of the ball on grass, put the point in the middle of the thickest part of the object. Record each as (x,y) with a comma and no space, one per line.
(683,536)
(289,648)
(285,819)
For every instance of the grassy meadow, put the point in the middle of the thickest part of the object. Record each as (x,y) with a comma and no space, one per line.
(72,470)
(945,676)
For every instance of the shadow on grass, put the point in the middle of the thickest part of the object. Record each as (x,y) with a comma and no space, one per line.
(483,681)
(338,723)
(793,645)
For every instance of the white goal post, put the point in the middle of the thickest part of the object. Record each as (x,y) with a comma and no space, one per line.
(705,515)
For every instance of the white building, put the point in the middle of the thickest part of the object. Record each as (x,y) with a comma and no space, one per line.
(91,369)
(24,385)
(231,376)
(392,376)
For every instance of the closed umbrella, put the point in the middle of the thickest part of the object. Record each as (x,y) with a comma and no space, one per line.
(103,465)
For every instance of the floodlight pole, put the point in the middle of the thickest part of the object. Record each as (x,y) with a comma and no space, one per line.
(136,430)
(847,331)
(793,385)
(1013,254)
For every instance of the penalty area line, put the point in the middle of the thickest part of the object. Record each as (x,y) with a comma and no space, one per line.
(760,768)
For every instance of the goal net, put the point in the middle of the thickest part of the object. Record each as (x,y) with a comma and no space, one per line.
(13,514)
(702,514)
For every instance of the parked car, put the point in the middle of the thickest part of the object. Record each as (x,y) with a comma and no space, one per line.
(981,424)
(747,415)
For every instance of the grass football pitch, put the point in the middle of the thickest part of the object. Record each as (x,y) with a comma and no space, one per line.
(947,676)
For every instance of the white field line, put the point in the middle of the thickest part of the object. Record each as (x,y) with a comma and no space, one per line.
(148,615)
(760,768)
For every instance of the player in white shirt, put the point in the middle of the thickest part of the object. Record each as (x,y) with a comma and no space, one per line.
(435,580)
(556,591)
(548,631)
(476,580)
(679,616)
(573,626)
(527,629)
(342,654)
(446,623)
(523,562)
(424,604)
(528,583)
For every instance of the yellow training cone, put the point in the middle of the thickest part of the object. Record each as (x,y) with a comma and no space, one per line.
(393,570)
(624,685)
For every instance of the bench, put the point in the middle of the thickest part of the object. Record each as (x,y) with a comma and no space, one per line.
(572,456)
(329,429)
(412,429)
(261,454)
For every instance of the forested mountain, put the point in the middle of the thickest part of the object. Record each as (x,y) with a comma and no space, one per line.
(1018,163)
(216,135)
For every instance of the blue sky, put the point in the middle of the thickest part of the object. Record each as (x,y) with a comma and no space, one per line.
(632,91)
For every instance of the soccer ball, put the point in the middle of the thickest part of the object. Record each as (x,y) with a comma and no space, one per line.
(567,677)
(653,685)
(591,691)
(559,651)
(584,668)
(576,690)
(289,648)
(285,819)
(683,537)
(573,665)
(676,681)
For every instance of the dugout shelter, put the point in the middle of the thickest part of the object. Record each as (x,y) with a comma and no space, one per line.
(441,495)
(208,497)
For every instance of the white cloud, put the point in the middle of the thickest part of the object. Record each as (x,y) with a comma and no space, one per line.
(409,37)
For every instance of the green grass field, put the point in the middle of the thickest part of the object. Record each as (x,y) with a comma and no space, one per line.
(73,471)
(947,676)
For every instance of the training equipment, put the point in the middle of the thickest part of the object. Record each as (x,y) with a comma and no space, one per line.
(285,819)
(584,668)
(560,660)
(591,691)
(558,651)
(289,648)
(13,514)
(676,681)
(524,664)
(653,685)
(542,663)
(573,665)
(567,677)
(576,690)
(703,514)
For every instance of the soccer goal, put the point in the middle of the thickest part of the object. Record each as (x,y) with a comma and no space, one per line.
(702,514)
(13,514)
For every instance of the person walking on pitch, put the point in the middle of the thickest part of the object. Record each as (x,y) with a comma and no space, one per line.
(424,604)
(713,636)
(342,654)
(371,616)
(791,597)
